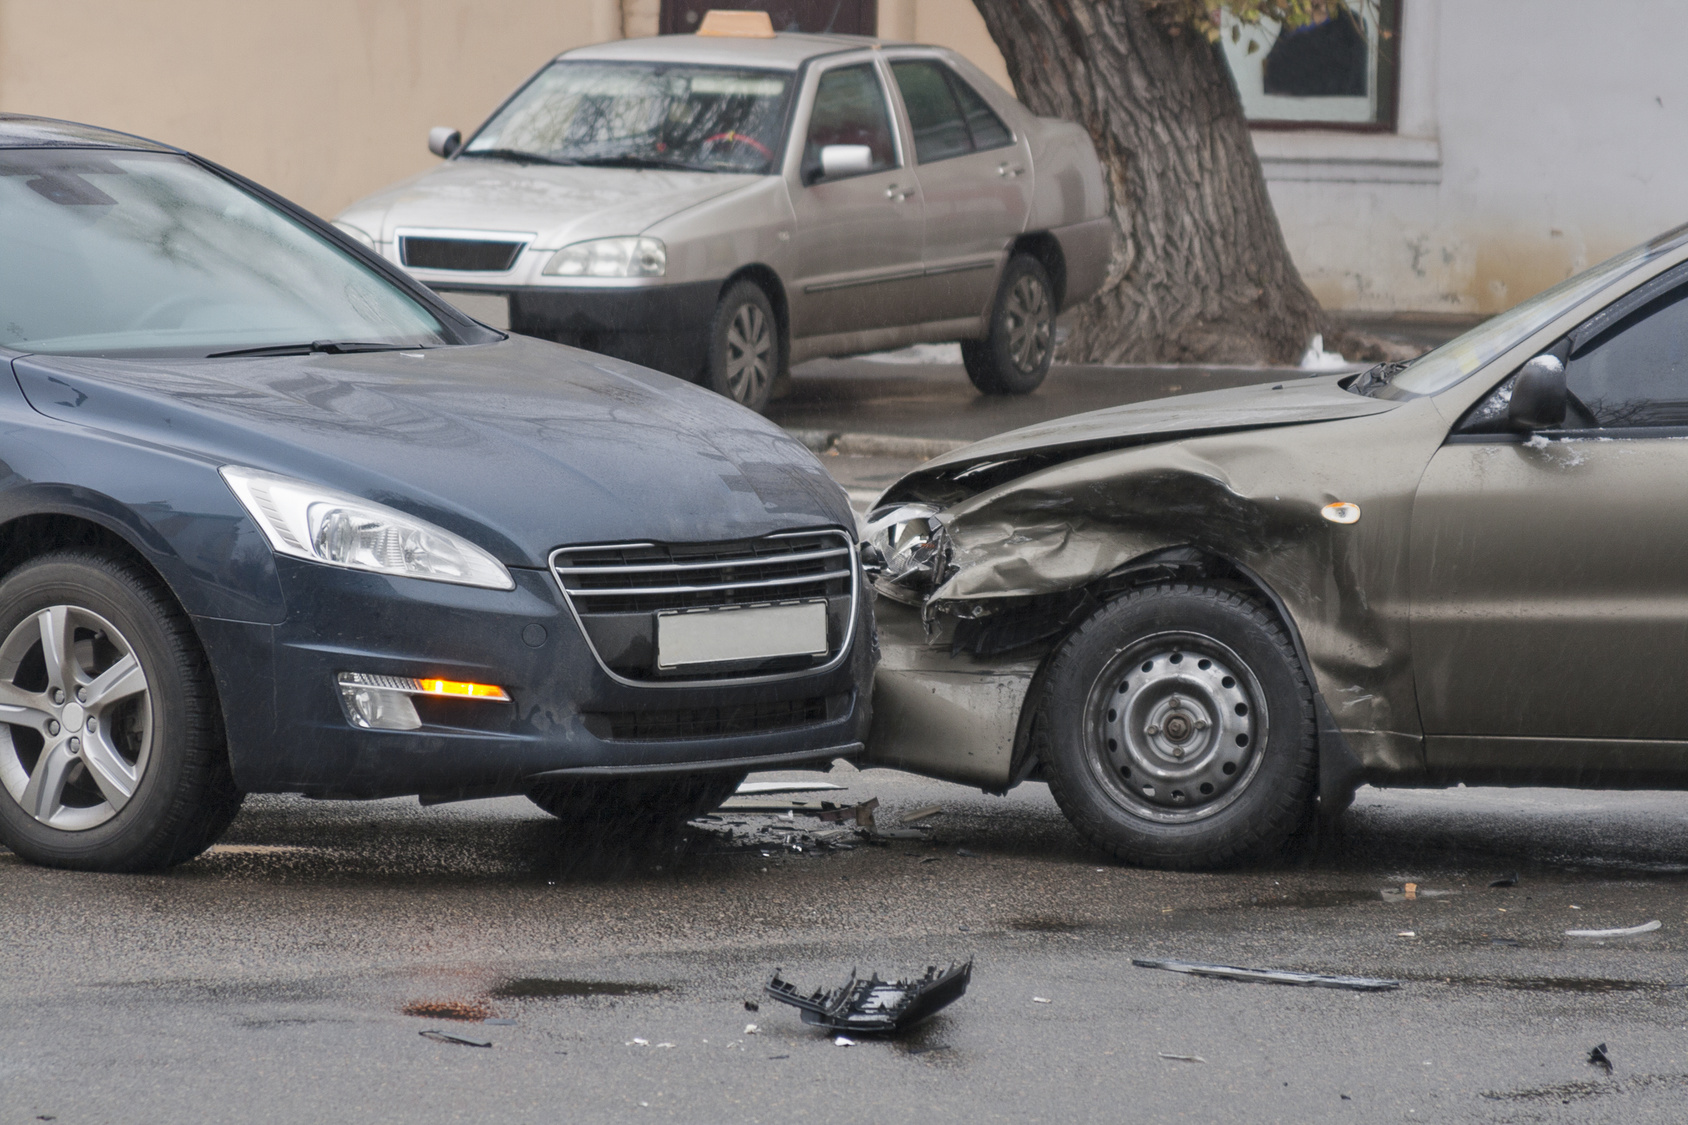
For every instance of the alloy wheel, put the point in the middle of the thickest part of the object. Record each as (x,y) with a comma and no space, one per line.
(1030,326)
(750,347)
(1175,726)
(75,718)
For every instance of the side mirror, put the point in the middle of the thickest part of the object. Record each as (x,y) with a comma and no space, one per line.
(1538,396)
(443,140)
(845,160)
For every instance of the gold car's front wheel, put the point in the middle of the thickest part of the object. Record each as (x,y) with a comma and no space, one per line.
(1176,728)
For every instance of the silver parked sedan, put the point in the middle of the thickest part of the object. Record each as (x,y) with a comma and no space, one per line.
(719,207)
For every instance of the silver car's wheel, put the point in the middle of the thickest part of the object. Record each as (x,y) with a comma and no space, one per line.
(1019,346)
(75,718)
(745,351)
(111,737)
(1031,328)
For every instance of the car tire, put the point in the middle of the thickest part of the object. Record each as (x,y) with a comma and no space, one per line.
(745,352)
(1176,729)
(1015,355)
(145,782)
(611,805)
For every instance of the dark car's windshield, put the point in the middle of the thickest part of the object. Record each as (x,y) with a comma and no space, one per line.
(643,115)
(1461,357)
(110,252)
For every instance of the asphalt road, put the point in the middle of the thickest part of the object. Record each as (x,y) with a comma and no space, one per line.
(269,980)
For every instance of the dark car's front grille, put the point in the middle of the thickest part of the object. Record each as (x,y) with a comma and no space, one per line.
(485,255)
(617,592)
(707,722)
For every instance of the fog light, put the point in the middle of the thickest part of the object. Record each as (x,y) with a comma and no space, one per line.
(383,702)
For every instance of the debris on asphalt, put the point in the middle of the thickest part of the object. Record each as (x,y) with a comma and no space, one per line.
(637,1043)
(964,853)
(439,1036)
(1410,890)
(750,1029)
(1042,1000)
(1270,976)
(768,788)
(1181,1058)
(1597,1057)
(843,1041)
(499,1021)
(862,814)
(876,1006)
(926,813)
(1407,933)
(1507,941)
(752,1006)
(1508,880)
(1623,931)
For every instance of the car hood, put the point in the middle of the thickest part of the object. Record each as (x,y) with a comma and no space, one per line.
(559,204)
(1296,400)
(521,445)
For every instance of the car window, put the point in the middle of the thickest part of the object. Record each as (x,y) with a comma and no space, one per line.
(112,252)
(1635,372)
(939,130)
(850,109)
(701,118)
(987,128)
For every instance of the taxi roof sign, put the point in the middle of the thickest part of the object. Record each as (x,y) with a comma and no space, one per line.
(729,24)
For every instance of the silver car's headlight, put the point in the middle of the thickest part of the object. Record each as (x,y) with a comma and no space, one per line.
(912,546)
(610,257)
(309,521)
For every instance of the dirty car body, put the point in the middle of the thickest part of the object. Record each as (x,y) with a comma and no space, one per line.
(871,194)
(429,559)
(1475,566)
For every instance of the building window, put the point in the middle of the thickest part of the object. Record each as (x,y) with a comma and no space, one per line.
(1337,72)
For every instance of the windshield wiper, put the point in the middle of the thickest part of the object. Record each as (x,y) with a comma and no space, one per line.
(1377,377)
(516,155)
(627,160)
(325,347)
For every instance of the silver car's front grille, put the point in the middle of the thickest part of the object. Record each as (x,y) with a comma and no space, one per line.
(617,591)
(482,255)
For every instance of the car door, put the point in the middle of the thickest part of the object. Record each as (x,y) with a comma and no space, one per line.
(975,177)
(858,234)
(1549,615)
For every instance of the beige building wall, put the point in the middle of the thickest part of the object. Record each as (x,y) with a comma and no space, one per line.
(321,100)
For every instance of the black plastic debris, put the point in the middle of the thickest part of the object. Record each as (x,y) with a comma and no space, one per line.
(752,1006)
(1508,880)
(1597,1057)
(875,1006)
(1271,976)
(439,1036)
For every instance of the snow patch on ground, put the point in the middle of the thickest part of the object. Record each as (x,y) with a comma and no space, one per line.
(919,353)
(1315,358)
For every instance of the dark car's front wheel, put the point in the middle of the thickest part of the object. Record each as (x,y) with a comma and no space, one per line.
(744,346)
(1015,356)
(1176,729)
(111,749)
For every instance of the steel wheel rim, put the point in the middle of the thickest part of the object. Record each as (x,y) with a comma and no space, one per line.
(1029,324)
(750,348)
(1175,727)
(76,718)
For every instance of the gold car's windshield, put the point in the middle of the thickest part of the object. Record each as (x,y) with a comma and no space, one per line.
(642,115)
(1463,356)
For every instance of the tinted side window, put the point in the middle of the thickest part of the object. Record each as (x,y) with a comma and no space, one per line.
(850,110)
(1635,373)
(939,131)
(987,128)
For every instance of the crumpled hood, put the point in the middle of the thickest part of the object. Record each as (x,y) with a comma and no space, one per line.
(521,446)
(560,204)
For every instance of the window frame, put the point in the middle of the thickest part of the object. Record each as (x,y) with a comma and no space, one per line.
(1388,86)
(809,175)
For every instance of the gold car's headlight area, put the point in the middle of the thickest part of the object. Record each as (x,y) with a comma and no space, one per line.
(906,551)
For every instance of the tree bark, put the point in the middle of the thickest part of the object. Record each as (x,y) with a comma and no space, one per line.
(1199,272)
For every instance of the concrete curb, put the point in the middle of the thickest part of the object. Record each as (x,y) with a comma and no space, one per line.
(875,445)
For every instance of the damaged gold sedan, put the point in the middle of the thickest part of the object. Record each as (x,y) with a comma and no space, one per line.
(1205,620)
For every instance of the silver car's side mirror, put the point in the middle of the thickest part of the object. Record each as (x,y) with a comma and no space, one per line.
(443,140)
(1538,396)
(845,160)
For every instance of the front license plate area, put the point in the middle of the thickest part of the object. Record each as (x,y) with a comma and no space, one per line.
(737,635)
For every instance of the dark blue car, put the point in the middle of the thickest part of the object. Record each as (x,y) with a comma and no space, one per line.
(274,518)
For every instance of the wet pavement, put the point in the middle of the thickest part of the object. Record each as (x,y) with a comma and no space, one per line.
(289,974)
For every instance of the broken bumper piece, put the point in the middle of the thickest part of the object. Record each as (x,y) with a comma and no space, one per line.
(874,1006)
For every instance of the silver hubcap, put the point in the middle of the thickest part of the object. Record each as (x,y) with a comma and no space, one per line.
(75,718)
(1176,727)
(1030,327)
(750,353)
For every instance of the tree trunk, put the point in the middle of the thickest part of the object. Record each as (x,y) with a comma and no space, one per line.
(1200,272)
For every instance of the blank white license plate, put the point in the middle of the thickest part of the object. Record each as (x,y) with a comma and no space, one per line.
(491,309)
(762,632)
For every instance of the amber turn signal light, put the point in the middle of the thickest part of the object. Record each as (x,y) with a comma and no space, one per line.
(1341,512)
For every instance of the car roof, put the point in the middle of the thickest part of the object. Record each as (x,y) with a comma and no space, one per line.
(19,130)
(785,51)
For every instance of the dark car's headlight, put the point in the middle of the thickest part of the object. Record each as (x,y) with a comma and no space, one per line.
(309,521)
(912,544)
